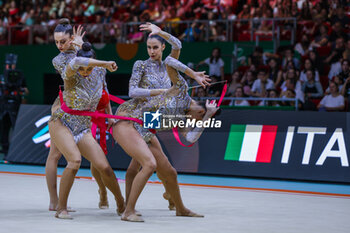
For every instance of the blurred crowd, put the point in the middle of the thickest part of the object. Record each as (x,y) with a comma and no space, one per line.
(317,81)
(315,69)
(108,15)
(111,14)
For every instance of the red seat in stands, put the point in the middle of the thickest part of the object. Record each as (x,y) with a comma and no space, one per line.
(243,69)
(316,101)
(324,51)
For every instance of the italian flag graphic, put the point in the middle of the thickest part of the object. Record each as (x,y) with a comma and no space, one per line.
(251,143)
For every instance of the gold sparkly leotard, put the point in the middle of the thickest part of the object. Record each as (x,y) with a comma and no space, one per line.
(150,74)
(80,94)
(147,75)
(60,62)
(166,103)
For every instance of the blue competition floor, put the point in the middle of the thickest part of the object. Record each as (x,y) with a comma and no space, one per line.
(258,184)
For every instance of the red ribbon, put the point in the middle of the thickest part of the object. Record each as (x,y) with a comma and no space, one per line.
(116,99)
(101,124)
(98,118)
(224,89)
(96,114)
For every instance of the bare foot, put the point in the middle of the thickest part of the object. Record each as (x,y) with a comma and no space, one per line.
(188,213)
(167,197)
(132,218)
(53,207)
(103,204)
(121,208)
(63,214)
(138,213)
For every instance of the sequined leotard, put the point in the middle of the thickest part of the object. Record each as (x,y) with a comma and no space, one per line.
(60,62)
(80,94)
(151,74)
(166,103)
(147,75)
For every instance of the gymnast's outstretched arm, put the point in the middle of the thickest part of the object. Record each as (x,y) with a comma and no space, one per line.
(173,66)
(77,62)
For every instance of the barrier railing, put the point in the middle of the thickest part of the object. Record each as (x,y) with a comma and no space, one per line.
(198,30)
(255,99)
(226,99)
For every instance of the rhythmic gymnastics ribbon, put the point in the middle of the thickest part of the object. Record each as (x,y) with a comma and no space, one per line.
(68,110)
(101,122)
(98,118)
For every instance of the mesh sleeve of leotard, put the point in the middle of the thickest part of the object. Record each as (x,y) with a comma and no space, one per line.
(176,64)
(134,89)
(175,43)
(76,62)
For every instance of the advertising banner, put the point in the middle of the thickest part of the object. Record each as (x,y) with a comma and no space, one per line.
(278,144)
(252,143)
(30,143)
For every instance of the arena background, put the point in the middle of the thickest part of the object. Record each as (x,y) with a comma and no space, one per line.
(34,62)
(280,163)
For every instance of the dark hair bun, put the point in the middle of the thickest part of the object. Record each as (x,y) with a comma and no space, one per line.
(86,46)
(64,26)
(86,51)
(63,21)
